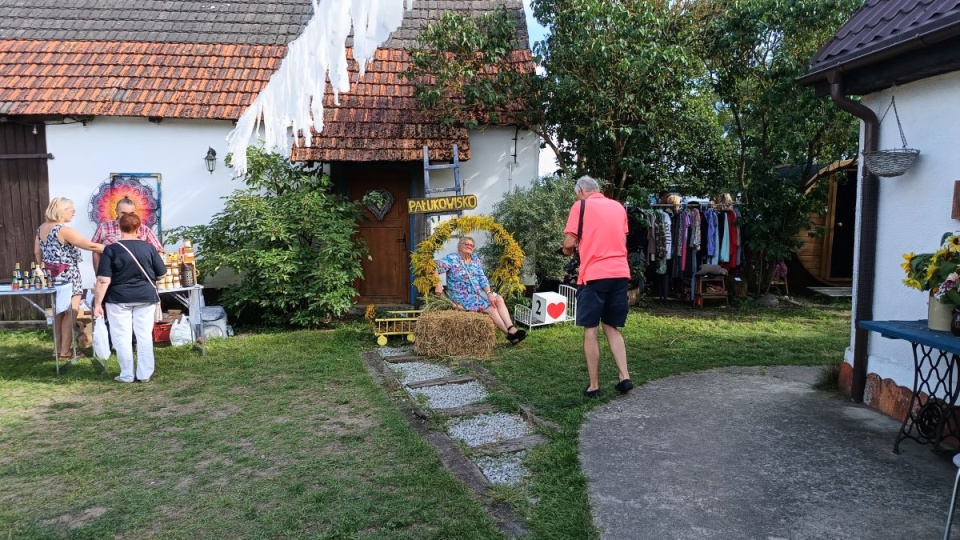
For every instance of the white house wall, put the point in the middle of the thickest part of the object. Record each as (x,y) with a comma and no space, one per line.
(492,171)
(914,209)
(85,156)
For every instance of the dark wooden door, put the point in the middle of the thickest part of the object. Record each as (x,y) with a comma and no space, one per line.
(386,273)
(841,250)
(24,195)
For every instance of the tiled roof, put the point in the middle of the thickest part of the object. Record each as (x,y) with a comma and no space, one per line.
(168,80)
(197,59)
(880,25)
(378,120)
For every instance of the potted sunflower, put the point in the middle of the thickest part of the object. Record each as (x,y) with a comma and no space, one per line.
(937,272)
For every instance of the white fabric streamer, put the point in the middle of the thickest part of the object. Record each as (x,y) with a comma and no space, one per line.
(292,101)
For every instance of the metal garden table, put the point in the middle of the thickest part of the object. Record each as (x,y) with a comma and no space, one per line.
(931,415)
(192,299)
(51,294)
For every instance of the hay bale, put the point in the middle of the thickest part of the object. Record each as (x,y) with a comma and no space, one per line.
(455,333)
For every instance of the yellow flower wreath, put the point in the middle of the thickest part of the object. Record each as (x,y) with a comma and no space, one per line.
(505,278)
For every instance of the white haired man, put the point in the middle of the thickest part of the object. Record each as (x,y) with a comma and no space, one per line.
(603,279)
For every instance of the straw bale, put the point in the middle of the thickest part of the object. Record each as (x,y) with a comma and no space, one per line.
(455,333)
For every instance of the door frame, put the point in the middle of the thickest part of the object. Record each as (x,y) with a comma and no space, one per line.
(340,173)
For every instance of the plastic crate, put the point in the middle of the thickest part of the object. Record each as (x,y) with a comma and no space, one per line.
(161,332)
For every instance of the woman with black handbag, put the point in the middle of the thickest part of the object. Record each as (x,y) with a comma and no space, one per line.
(126,287)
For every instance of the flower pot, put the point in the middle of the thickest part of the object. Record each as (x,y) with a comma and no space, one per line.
(939,315)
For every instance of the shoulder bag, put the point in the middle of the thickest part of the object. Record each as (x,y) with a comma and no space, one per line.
(158,316)
(572,268)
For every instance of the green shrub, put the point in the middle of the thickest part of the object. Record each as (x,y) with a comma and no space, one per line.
(536,216)
(291,239)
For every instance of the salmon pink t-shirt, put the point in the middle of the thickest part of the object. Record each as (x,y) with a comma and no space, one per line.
(603,248)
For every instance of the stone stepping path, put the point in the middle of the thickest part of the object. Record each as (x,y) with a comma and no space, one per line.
(494,443)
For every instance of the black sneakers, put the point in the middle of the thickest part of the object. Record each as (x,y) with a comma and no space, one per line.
(624,386)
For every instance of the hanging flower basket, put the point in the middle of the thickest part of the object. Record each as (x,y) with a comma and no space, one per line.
(894,161)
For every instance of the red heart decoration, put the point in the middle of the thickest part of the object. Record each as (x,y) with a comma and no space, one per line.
(557,309)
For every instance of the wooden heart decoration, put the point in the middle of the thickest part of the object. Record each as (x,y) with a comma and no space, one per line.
(379,202)
(556,309)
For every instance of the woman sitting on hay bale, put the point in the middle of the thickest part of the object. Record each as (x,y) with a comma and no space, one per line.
(468,287)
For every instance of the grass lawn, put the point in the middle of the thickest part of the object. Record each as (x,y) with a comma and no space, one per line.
(285,435)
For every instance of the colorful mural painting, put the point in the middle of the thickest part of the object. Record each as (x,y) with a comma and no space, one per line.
(141,188)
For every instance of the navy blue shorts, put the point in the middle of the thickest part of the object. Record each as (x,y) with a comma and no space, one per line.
(603,300)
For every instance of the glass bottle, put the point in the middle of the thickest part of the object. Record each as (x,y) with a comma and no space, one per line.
(15,283)
(17,273)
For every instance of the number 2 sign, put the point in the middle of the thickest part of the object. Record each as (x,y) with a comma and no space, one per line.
(549,307)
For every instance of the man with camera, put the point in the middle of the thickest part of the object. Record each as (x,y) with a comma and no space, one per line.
(597,230)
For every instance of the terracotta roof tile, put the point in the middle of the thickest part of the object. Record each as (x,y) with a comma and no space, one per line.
(379,119)
(182,59)
(133,79)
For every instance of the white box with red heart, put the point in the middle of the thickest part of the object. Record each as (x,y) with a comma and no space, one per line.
(548,307)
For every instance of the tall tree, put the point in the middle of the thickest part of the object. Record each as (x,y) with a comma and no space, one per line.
(617,95)
(754,51)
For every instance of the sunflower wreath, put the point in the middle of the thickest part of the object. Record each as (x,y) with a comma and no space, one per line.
(505,278)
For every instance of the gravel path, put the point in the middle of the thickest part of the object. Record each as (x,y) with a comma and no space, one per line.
(452,395)
(504,469)
(488,428)
(411,372)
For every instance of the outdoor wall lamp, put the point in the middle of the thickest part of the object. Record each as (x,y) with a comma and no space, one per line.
(211,159)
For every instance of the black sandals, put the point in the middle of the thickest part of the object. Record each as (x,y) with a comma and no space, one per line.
(517,336)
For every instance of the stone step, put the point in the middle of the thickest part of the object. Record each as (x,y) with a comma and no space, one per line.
(454,379)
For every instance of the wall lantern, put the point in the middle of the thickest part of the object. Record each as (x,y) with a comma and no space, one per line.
(211,159)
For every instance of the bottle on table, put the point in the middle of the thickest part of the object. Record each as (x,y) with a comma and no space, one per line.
(15,282)
(37,281)
(187,276)
(47,278)
(17,273)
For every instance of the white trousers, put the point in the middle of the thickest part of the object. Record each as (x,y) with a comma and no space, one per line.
(127,320)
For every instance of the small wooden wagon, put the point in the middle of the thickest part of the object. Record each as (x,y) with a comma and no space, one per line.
(396,323)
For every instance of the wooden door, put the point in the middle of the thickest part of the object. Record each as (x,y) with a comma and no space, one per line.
(386,230)
(24,195)
(842,231)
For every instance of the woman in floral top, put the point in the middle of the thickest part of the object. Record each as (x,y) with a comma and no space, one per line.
(58,246)
(468,287)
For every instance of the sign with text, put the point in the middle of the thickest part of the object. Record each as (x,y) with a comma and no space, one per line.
(440,205)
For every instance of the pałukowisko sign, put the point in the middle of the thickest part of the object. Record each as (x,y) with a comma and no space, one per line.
(439,205)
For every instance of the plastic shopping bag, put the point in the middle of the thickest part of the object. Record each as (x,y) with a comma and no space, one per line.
(181,333)
(101,341)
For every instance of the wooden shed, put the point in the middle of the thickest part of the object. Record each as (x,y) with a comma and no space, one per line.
(826,259)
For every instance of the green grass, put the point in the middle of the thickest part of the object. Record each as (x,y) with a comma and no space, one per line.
(268,436)
(285,435)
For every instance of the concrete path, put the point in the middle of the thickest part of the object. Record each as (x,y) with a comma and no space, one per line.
(748,453)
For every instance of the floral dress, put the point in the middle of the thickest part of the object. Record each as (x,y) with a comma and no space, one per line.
(465,282)
(55,251)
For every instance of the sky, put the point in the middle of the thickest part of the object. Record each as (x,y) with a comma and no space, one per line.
(536,31)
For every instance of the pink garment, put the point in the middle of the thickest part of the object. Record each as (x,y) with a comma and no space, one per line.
(603,248)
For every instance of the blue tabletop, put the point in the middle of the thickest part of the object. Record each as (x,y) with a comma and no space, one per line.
(914,332)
